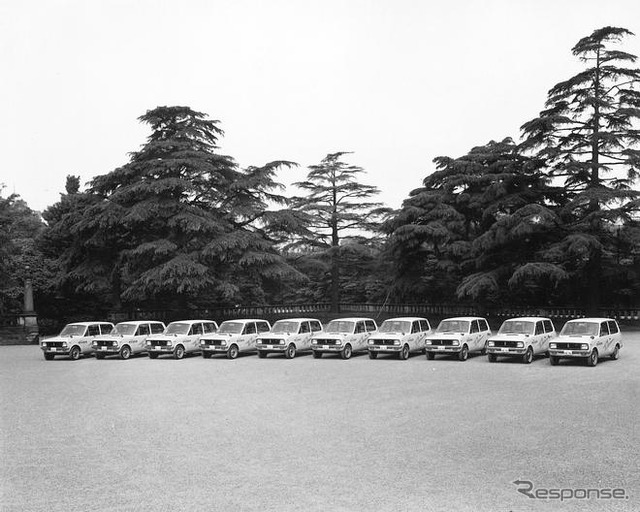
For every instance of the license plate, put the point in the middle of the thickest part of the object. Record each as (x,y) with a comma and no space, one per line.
(504,350)
(325,347)
(568,352)
(270,347)
(103,348)
(442,348)
(53,349)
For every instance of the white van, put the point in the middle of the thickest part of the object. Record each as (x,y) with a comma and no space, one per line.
(458,336)
(523,337)
(234,337)
(400,336)
(180,338)
(344,336)
(587,338)
(288,336)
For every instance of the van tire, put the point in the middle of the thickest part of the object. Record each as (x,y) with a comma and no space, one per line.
(464,353)
(74,353)
(527,357)
(616,353)
(592,360)
(233,352)
(404,353)
(290,351)
(346,352)
(125,352)
(178,352)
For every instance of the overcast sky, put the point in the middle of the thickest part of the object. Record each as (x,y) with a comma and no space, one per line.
(397,82)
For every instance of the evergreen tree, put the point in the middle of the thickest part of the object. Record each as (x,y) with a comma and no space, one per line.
(341,221)
(180,224)
(588,135)
(477,225)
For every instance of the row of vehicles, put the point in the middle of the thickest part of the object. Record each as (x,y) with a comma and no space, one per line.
(524,338)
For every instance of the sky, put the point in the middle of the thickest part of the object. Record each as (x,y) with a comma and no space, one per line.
(395,82)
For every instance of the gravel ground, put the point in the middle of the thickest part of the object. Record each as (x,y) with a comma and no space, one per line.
(307,434)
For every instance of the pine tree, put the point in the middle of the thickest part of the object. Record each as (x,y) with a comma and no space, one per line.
(588,135)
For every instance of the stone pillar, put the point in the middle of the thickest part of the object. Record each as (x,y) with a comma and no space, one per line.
(29,317)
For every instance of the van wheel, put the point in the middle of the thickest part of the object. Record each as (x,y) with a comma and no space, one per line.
(554,360)
(464,353)
(431,356)
(404,353)
(49,357)
(484,348)
(373,355)
(346,352)
(616,353)
(317,355)
(592,360)
(527,357)
(74,353)
(290,353)
(233,351)
(178,353)
(492,358)
(125,352)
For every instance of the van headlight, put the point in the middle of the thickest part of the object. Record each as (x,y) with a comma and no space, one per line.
(281,342)
(428,342)
(148,343)
(370,342)
(94,343)
(64,343)
(338,342)
(314,342)
(456,343)
(584,346)
(169,343)
(521,344)
(492,343)
(553,345)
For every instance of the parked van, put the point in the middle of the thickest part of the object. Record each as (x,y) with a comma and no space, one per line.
(523,337)
(234,337)
(458,336)
(288,336)
(180,338)
(344,336)
(587,338)
(400,336)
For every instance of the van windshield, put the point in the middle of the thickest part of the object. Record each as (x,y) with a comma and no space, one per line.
(285,327)
(340,326)
(231,328)
(73,330)
(125,329)
(580,329)
(395,326)
(453,326)
(516,327)
(177,328)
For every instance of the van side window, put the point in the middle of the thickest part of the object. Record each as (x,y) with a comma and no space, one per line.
(604,329)
(360,328)
(484,326)
(263,327)
(474,326)
(315,326)
(156,328)
(424,325)
(143,330)
(548,326)
(304,327)
(250,328)
(613,327)
(106,328)
(539,328)
(93,330)
(415,327)
(371,326)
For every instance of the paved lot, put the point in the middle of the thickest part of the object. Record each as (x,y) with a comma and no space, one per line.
(309,434)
